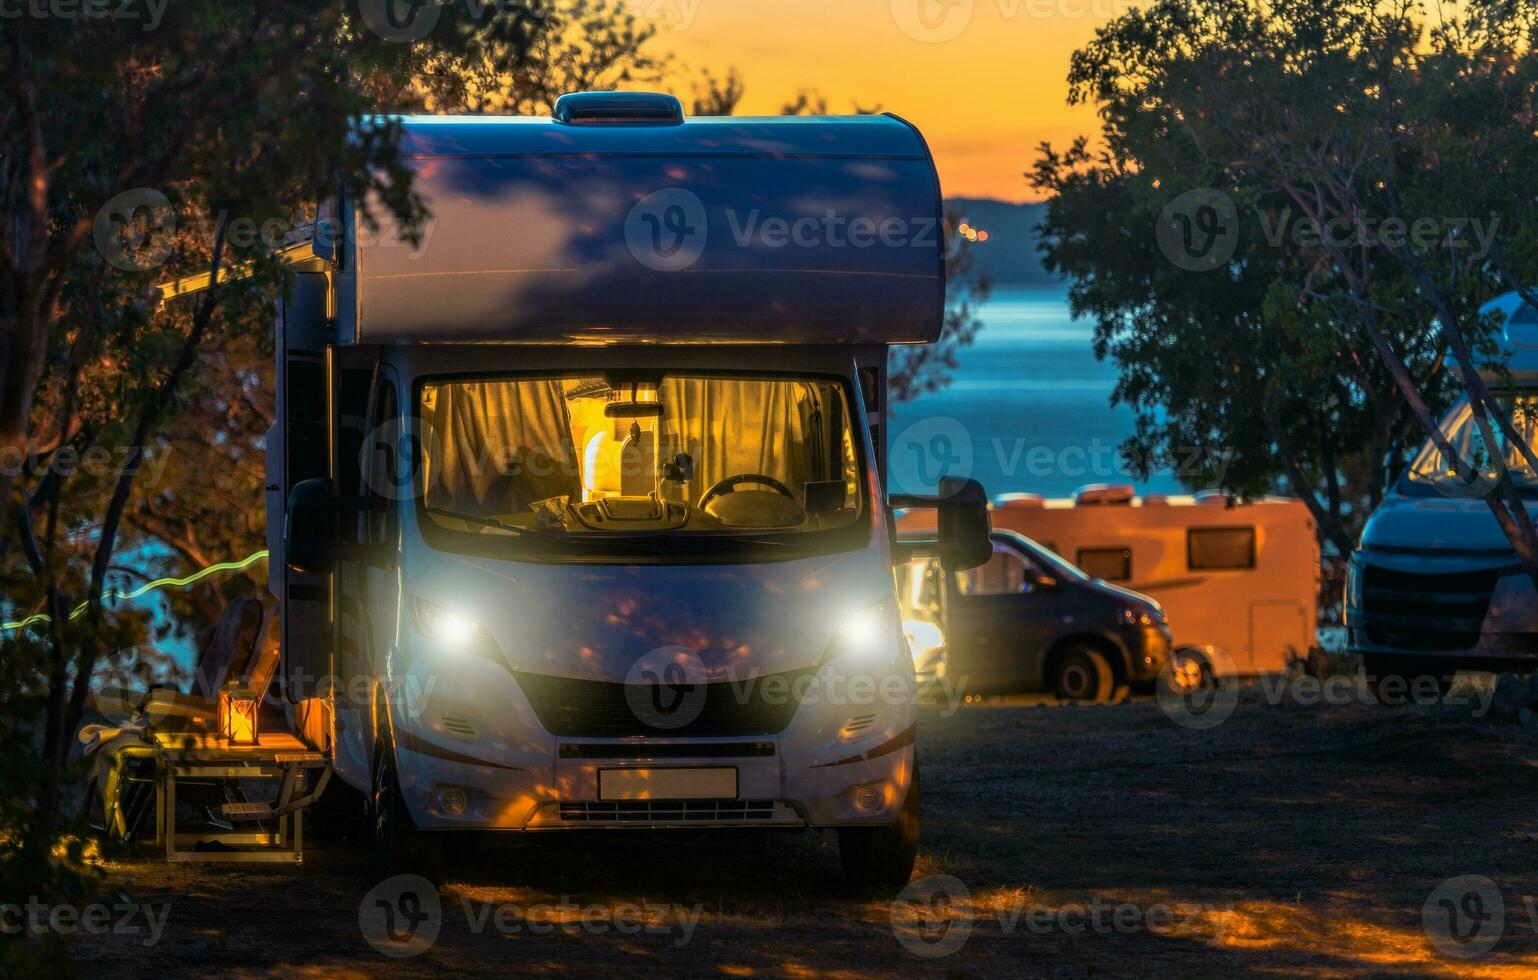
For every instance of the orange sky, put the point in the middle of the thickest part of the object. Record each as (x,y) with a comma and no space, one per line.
(984,79)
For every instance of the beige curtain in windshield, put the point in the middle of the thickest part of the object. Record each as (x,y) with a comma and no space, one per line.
(733,427)
(498,447)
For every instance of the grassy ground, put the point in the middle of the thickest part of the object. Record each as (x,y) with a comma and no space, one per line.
(1289,841)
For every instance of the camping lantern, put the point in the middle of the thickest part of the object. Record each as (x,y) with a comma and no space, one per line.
(237,715)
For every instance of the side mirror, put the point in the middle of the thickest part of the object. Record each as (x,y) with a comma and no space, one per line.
(965,534)
(962,522)
(311,527)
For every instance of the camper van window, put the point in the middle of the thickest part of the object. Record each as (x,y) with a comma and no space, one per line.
(1432,471)
(585,466)
(1111,564)
(1217,548)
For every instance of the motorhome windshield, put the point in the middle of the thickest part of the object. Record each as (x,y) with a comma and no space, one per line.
(1432,470)
(583,465)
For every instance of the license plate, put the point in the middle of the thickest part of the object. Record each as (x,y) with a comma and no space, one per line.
(675,783)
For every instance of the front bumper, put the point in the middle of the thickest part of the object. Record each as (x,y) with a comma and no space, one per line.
(1148,650)
(475,756)
(1441,611)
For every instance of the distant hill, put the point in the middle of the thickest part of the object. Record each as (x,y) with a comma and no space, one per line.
(1009,255)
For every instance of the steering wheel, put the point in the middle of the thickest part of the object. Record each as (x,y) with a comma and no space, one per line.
(731,483)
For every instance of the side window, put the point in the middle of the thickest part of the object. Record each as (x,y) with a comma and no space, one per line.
(1004,574)
(1111,564)
(383,463)
(1215,548)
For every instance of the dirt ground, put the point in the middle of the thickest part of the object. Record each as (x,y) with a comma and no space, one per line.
(1062,841)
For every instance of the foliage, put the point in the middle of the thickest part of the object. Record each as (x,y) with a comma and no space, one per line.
(1373,170)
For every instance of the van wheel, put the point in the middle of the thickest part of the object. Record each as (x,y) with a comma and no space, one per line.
(396,846)
(883,856)
(1395,683)
(1082,673)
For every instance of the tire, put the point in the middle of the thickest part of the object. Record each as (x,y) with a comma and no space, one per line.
(883,856)
(1082,673)
(1394,681)
(395,844)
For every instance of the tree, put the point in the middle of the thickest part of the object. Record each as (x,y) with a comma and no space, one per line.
(129,155)
(1336,129)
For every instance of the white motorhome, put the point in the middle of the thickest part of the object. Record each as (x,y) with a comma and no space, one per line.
(1238,582)
(576,505)
(1434,586)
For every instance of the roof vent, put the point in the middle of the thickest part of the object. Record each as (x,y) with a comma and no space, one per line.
(1019,501)
(1095,494)
(1156,500)
(618,109)
(1214,498)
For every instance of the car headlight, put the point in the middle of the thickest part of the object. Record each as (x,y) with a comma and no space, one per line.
(1353,581)
(454,632)
(870,636)
(1143,615)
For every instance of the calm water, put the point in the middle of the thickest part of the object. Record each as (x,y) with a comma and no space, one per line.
(1029,406)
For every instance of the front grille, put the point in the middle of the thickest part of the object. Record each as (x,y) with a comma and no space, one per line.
(667,750)
(1414,611)
(667,811)
(601,709)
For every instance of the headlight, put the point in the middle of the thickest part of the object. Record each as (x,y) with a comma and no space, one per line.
(872,635)
(1143,616)
(452,631)
(1353,581)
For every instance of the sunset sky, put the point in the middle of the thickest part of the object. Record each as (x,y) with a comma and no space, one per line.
(984,79)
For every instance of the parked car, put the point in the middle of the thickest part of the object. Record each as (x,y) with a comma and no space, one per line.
(1240,580)
(1028,620)
(1434,586)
